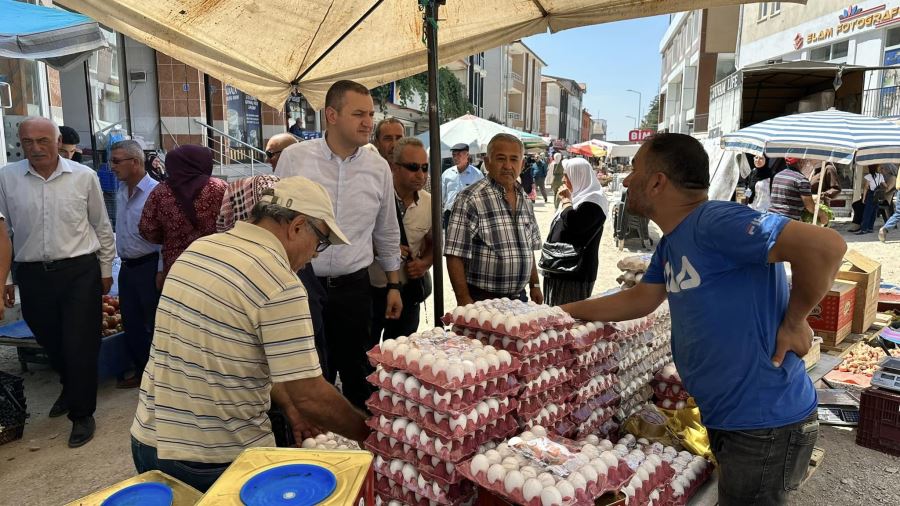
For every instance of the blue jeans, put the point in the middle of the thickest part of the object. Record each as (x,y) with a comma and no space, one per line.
(870,213)
(199,475)
(894,221)
(761,466)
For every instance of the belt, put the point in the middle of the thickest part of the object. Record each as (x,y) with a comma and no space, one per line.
(54,265)
(346,279)
(134,262)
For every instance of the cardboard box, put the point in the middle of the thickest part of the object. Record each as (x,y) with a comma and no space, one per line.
(866,273)
(833,316)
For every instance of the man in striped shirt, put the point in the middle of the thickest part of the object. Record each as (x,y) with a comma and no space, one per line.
(791,193)
(233,331)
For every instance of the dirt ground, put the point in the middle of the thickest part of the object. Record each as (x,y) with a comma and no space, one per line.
(40,470)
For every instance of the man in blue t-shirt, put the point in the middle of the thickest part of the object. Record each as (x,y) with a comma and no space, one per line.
(738,330)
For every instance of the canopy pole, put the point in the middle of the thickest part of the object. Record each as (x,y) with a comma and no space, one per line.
(819,194)
(430,16)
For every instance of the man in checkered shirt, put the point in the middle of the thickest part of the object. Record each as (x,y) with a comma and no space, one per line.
(492,233)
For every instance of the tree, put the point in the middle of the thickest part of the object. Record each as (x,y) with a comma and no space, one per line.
(495,119)
(452,100)
(651,119)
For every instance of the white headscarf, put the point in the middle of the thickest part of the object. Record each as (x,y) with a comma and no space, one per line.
(585,187)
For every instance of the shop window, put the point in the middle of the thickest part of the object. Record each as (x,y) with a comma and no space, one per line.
(893,38)
(840,50)
(835,53)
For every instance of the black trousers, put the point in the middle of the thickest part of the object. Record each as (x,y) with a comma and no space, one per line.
(61,303)
(348,333)
(407,324)
(138,298)
(316,298)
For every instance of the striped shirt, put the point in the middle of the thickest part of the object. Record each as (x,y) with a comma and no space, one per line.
(233,318)
(788,189)
(495,243)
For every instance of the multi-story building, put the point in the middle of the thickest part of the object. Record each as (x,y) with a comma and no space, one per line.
(512,86)
(697,50)
(561,116)
(864,33)
(587,125)
(599,129)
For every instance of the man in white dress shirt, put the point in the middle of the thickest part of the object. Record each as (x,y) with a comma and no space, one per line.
(64,249)
(362,190)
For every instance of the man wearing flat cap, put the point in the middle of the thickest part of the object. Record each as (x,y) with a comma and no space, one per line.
(457,178)
(233,333)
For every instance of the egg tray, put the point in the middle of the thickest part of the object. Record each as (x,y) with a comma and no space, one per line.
(534,403)
(452,450)
(453,401)
(582,411)
(668,494)
(590,425)
(394,469)
(385,445)
(523,347)
(532,419)
(658,479)
(535,364)
(605,332)
(399,495)
(441,380)
(663,390)
(424,463)
(456,495)
(535,387)
(582,375)
(596,353)
(427,419)
(608,430)
(587,392)
(524,329)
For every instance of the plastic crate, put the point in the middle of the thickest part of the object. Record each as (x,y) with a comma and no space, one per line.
(879,421)
(108,181)
(12,408)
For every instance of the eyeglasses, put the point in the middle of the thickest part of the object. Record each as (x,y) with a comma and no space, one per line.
(273,154)
(415,167)
(324,241)
(117,161)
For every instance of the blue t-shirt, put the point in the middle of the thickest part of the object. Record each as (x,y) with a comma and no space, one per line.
(727,302)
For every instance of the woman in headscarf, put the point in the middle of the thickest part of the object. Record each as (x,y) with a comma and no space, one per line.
(578,222)
(760,184)
(556,170)
(184,207)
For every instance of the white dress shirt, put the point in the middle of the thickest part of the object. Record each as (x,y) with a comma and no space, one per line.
(61,217)
(362,192)
(129,242)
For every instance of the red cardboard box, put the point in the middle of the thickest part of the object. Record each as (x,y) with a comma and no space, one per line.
(833,316)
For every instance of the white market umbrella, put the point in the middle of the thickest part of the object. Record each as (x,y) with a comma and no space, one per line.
(830,136)
(476,133)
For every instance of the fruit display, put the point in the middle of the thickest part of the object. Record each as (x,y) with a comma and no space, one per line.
(112,318)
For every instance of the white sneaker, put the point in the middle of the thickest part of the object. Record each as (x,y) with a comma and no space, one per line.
(882,234)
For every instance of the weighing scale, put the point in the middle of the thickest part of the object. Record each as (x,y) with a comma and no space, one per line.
(837,407)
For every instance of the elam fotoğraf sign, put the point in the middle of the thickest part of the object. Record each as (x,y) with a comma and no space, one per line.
(852,19)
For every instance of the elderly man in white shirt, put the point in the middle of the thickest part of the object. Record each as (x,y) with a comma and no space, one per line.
(64,248)
(362,190)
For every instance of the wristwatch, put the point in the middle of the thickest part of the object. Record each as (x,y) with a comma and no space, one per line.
(393,286)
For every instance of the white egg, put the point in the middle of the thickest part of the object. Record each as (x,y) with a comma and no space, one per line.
(539,431)
(440,365)
(388,346)
(493,456)
(308,443)
(458,422)
(493,405)
(454,371)
(504,357)
(396,466)
(513,481)
(642,474)
(529,471)
(412,431)
(400,351)
(409,473)
(480,464)
(550,496)
(399,425)
(412,358)
(424,439)
(383,376)
(546,479)
(531,489)
(589,473)
(577,481)
(496,473)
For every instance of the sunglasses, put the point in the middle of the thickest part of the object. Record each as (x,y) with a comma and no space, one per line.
(324,241)
(415,167)
(273,154)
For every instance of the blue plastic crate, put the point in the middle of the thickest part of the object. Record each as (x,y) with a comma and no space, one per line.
(108,181)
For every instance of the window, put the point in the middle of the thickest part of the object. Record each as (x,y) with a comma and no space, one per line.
(775,8)
(763,11)
(820,53)
(893,38)
(835,53)
(768,10)
(840,50)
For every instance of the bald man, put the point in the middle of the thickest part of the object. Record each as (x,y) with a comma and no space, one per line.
(276,145)
(64,247)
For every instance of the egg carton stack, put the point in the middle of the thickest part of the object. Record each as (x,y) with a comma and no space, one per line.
(633,269)
(440,396)
(663,475)
(539,469)
(329,441)
(645,346)
(537,335)
(668,390)
(594,399)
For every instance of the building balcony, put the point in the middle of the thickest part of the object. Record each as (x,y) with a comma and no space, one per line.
(516,77)
(513,116)
(881,102)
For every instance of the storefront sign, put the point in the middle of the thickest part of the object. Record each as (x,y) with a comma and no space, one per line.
(852,19)
(725,85)
(640,135)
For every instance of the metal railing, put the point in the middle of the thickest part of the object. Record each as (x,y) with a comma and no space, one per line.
(881,102)
(514,116)
(517,77)
(234,157)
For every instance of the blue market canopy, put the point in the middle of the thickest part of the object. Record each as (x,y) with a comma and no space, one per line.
(54,36)
(831,136)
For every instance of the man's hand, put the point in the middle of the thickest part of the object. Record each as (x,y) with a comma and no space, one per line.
(796,337)
(107,284)
(416,268)
(159,281)
(9,296)
(536,295)
(300,426)
(405,252)
(394,305)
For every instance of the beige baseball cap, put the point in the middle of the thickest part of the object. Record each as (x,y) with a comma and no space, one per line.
(305,196)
